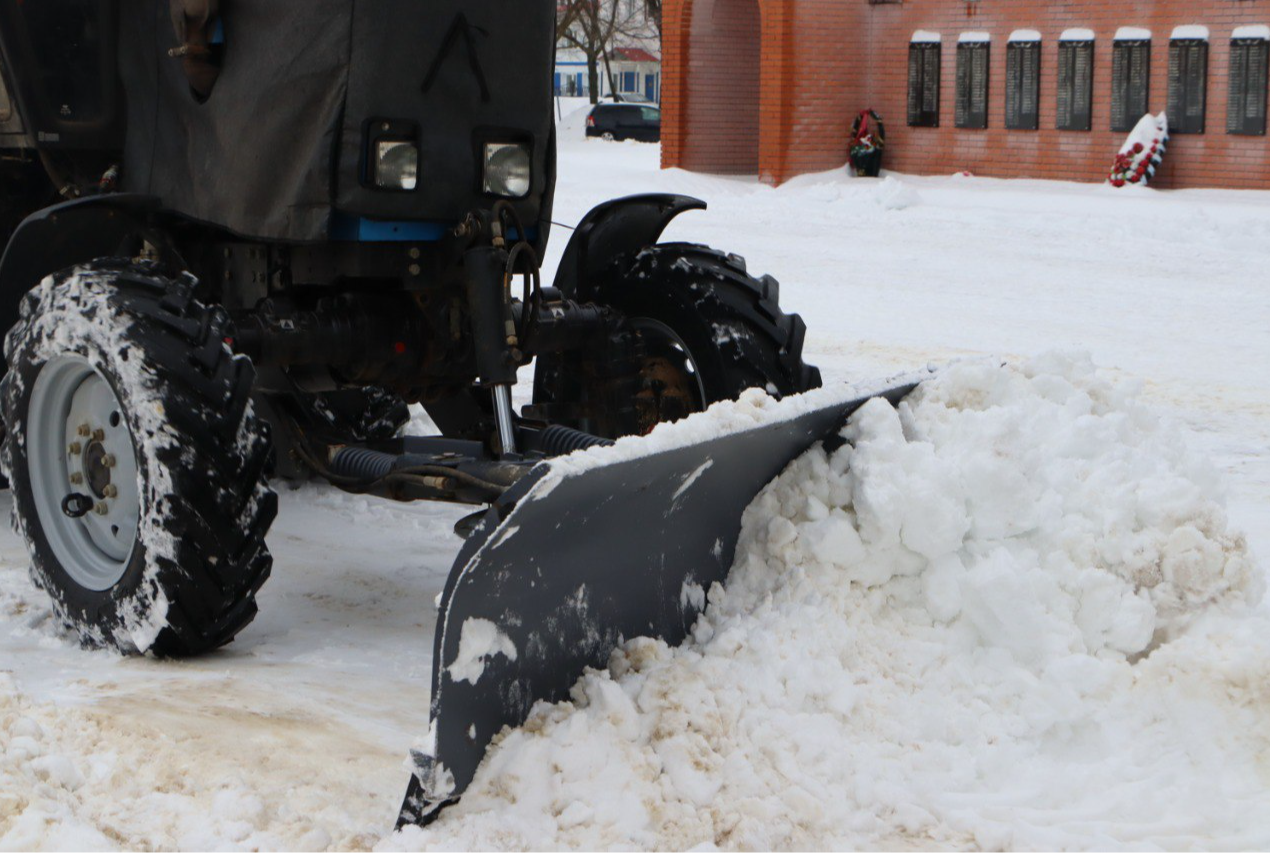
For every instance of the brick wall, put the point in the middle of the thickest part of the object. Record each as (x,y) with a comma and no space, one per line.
(822,60)
(722,90)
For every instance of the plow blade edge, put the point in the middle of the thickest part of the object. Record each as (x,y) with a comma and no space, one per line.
(576,559)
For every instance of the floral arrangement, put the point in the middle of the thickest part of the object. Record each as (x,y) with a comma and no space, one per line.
(1141,155)
(868,139)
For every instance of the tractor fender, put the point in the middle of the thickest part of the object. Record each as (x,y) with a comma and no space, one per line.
(65,234)
(612,229)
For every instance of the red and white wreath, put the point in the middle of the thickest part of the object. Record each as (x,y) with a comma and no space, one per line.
(1142,152)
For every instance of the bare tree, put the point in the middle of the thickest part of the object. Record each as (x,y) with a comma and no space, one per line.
(652,9)
(593,27)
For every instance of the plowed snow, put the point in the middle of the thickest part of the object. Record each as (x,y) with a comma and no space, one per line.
(959,629)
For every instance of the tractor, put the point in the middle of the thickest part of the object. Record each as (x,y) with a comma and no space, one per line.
(242,236)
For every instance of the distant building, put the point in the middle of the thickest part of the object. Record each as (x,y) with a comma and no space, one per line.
(1010,88)
(636,71)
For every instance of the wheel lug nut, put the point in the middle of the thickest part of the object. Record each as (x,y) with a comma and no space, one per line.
(108,460)
(76,478)
(110,491)
(84,430)
(101,508)
(99,435)
(75,448)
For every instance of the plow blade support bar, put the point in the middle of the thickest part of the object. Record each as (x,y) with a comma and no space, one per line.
(577,558)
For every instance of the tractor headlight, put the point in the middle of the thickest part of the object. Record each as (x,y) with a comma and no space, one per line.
(507,169)
(396,164)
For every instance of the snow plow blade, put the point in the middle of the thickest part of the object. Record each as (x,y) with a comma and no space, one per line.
(582,555)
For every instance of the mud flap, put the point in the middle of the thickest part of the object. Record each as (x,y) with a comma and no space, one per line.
(574,560)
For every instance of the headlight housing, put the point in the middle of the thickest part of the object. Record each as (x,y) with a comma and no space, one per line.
(507,169)
(396,164)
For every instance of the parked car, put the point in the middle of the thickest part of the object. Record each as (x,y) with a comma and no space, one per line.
(625,121)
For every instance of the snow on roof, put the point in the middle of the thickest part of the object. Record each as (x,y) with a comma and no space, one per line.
(1252,31)
(635,54)
(926,36)
(974,38)
(1190,31)
(1077,34)
(1132,34)
(1025,35)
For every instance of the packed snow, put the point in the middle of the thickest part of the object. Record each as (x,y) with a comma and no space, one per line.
(1017,611)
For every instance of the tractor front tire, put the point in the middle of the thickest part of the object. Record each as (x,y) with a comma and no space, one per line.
(136,460)
(704,310)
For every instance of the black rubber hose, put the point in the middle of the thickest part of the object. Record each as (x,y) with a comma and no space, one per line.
(557,440)
(358,463)
(361,470)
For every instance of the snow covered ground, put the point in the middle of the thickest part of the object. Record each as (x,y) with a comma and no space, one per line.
(1019,621)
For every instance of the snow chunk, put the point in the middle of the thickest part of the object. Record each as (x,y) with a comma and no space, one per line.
(1025,35)
(1132,34)
(1190,31)
(974,38)
(480,641)
(1077,34)
(894,194)
(926,36)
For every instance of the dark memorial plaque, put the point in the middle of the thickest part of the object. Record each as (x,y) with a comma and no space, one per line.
(972,84)
(1075,85)
(923,84)
(1022,85)
(1246,102)
(1188,85)
(1130,82)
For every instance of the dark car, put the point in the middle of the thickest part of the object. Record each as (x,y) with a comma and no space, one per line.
(625,121)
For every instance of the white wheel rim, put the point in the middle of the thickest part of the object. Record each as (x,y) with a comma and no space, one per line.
(658,329)
(78,442)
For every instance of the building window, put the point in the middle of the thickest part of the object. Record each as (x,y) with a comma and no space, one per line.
(1249,68)
(1075,80)
(972,80)
(923,80)
(628,82)
(1188,79)
(1023,80)
(1130,77)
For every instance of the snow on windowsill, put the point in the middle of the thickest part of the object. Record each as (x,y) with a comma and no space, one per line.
(1077,34)
(1132,34)
(1191,31)
(974,38)
(926,37)
(1025,35)
(1252,31)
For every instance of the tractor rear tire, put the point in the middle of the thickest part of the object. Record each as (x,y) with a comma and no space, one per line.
(130,418)
(727,323)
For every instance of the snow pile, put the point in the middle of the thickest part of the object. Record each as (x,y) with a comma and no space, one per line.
(1009,614)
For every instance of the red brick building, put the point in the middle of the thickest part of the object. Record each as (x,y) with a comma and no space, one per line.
(770,87)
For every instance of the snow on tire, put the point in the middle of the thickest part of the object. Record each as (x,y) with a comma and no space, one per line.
(135,371)
(730,321)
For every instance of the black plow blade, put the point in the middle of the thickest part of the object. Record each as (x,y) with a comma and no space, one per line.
(584,553)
